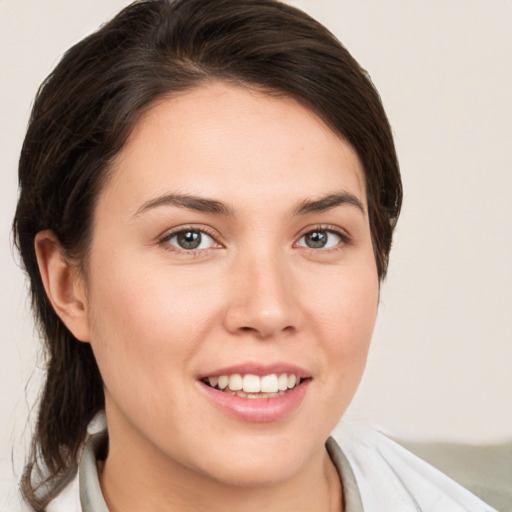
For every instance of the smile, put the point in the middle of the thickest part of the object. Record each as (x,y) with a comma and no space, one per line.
(254,393)
(254,386)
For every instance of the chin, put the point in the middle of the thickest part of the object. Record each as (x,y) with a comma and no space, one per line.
(256,474)
(260,461)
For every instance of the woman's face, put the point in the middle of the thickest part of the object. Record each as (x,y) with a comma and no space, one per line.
(231,243)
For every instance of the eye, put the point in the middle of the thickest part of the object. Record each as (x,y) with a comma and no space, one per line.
(189,240)
(320,239)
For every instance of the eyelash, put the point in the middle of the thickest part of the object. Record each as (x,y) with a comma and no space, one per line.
(345,239)
(164,240)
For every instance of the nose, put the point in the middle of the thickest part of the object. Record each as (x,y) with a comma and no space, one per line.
(262,300)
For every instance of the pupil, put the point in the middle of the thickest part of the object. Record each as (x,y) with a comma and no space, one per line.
(316,239)
(189,239)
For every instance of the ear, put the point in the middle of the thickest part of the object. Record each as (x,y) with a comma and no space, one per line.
(63,283)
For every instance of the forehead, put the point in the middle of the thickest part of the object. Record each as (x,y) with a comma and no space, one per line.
(229,141)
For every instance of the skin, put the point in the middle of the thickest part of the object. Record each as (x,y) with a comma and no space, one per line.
(158,316)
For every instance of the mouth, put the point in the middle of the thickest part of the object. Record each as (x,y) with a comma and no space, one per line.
(253,386)
(253,392)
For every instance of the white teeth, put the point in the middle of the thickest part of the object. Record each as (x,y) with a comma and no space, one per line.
(235,382)
(223,381)
(292,380)
(282,382)
(251,384)
(269,383)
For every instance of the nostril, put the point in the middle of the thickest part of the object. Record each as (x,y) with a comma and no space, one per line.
(262,333)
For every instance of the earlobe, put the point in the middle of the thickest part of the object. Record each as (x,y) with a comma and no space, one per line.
(63,284)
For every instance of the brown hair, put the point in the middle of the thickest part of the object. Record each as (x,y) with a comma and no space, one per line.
(83,114)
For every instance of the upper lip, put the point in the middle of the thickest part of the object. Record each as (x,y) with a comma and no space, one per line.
(259,369)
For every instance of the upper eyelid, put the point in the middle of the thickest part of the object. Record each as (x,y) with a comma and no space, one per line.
(169,233)
(324,227)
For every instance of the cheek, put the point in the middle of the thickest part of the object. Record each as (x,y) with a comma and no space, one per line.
(133,294)
(149,321)
(346,310)
(144,322)
(346,303)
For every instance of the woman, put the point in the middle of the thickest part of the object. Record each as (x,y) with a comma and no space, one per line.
(208,194)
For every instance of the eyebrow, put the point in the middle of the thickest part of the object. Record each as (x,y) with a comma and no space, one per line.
(328,202)
(200,204)
(203,204)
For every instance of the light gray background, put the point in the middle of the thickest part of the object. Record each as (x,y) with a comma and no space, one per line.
(441,362)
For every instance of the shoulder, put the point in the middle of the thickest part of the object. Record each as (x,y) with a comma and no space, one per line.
(389,477)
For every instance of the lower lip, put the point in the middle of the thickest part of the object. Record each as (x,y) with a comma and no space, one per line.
(259,410)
